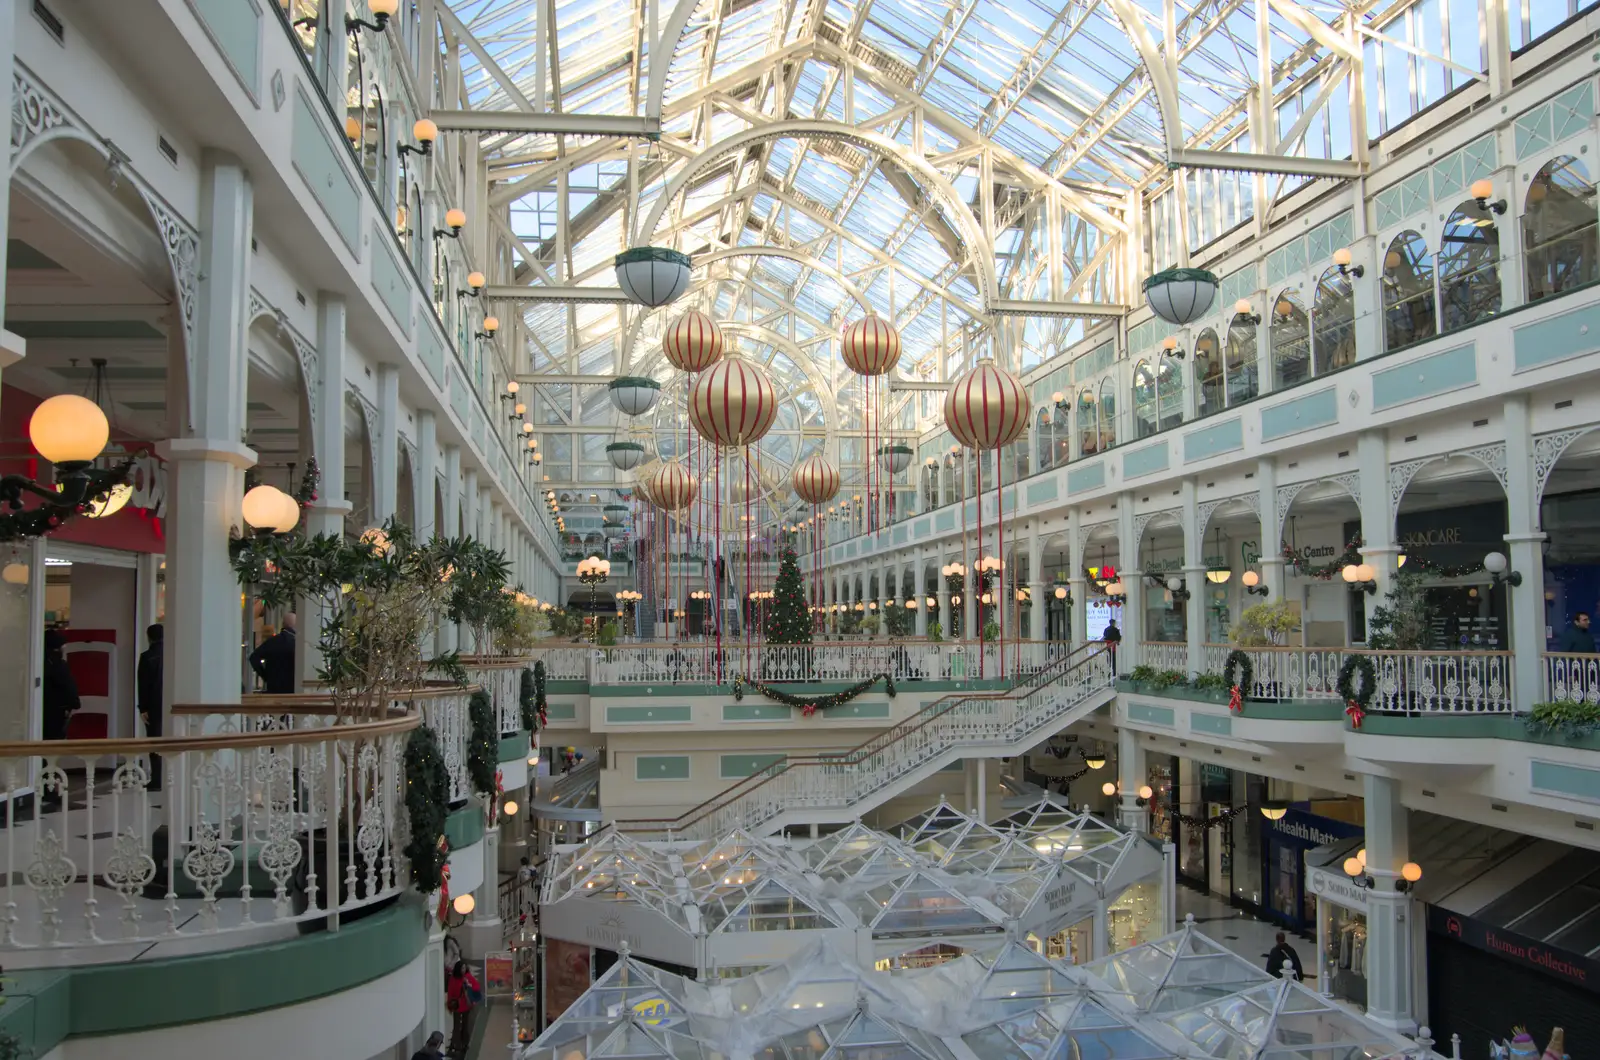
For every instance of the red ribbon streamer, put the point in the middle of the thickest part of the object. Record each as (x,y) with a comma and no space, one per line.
(1236,701)
(1354,713)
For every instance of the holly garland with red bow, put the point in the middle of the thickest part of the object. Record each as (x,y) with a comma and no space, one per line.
(809,705)
(1240,673)
(444,879)
(1357,696)
(493,807)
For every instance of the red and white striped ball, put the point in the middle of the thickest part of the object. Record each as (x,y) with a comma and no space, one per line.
(871,346)
(693,343)
(987,407)
(673,488)
(815,481)
(733,403)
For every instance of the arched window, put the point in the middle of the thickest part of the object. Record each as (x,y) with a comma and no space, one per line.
(1144,400)
(1108,412)
(1558,229)
(1291,342)
(1044,439)
(1088,423)
(1209,371)
(1169,393)
(1333,318)
(1061,434)
(1408,314)
(1469,266)
(1242,368)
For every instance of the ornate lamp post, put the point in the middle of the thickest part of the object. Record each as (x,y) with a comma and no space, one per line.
(592,572)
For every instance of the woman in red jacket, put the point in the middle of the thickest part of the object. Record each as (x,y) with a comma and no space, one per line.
(462,994)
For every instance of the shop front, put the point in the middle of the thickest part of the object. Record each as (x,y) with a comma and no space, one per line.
(1341,912)
(1285,842)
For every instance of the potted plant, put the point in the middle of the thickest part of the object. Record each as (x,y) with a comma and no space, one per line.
(935,633)
(869,626)
(1265,626)
(1400,623)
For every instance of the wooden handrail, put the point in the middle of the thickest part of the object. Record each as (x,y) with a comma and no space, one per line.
(307,702)
(862,751)
(398,722)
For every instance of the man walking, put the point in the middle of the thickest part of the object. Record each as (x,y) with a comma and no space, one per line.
(273,659)
(1577,639)
(1284,954)
(149,692)
(433,1050)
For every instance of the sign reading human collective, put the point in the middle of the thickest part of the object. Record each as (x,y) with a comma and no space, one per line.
(1518,949)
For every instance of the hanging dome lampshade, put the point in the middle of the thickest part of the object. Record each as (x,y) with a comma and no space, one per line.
(870,346)
(673,488)
(625,456)
(894,458)
(693,343)
(815,481)
(1180,296)
(633,395)
(652,276)
(733,403)
(611,528)
(987,407)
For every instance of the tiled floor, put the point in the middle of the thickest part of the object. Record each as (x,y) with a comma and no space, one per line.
(1239,931)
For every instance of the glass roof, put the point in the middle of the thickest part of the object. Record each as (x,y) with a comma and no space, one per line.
(1002,1003)
(1176,972)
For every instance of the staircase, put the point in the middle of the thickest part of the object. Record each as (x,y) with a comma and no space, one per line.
(829,789)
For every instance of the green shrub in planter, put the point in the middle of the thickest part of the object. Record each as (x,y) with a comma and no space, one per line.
(1572,720)
(1211,683)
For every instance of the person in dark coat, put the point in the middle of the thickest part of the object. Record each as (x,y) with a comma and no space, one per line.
(1112,638)
(150,689)
(1282,954)
(60,690)
(1577,639)
(273,660)
(433,1050)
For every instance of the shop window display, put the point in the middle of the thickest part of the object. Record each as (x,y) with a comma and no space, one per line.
(1073,944)
(1136,917)
(1344,933)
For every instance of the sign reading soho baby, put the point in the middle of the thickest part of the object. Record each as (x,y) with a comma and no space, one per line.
(1336,888)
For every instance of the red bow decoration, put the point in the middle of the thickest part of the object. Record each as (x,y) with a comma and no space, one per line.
(1354,713)
(499,790)
(1235,701)
(808,710)
(444,882)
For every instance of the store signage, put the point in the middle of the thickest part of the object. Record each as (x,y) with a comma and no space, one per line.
(149,484)
(1336,888)
(1309,828)
(1518,949)
(1060,897)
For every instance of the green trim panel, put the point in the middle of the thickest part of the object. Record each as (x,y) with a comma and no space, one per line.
(390,282)
(315,159)
(1575,781)
(1147,461)
(1214,440)
(1556,338)
(561,711)
(464,826)
(1301,414)
(756,712)
(514,746)
(661,767)
(920,529)
(1042,492)
(1437,373)
(737,767)
(1153,715)
(235,27)
(430,350)
(944,521)
(1215,724)
(860,710)
(1086,478)
(648,715)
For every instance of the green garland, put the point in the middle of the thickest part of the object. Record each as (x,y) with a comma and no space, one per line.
(1239,662)
(525,701)
(427,795)
(483,742)
(1326,571)
(809,705)
(1346,686)
(540,704)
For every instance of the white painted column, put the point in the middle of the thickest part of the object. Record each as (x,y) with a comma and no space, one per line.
(943,594)
(12,347)
(1078,616)
(1131,775)
(983,789)
(1038,589)
(1389,911)
(469,502)
(1194,577)
(433,988)
(327,513)
(1377,514)
(919,586)
(449,634)
(386,447)
(1133,585)
(426,473)
(206,467)
(481,935)
(1525,552)
(1271,533)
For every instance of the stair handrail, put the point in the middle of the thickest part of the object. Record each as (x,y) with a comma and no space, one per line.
(1026,685)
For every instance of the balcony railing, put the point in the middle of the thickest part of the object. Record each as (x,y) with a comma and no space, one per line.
(1571,677)
(501,677)
(270,812)
(702,661)
(838,784)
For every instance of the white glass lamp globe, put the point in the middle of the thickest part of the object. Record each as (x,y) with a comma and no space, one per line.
(384,8)
(1174,584)
(475,280)
(1495,563)
(1108,788)
(1351,573)
(424,131)
(288,513)
(454,217)
(1352,867)
(263,508)
(464,904)
(1145,792)
(68,429)
(1251,578)
(1366,573)
(491,324)
(511,808)
(1411,872)
(1061,594)
(15,574)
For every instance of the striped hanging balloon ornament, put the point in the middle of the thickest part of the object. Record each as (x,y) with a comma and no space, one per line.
(815,481)
(987,407)
(870,346)
(733,403)
(673,488)
(693,343)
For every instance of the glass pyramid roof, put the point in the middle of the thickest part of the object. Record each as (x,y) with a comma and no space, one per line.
(1176,972)
(1276,1019)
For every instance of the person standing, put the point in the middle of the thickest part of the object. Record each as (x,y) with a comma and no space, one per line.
(149,693)
(273,659)
(1283,954)
(433,1049)
(462,994)
(1112,638)
(59,687)
(1577,639)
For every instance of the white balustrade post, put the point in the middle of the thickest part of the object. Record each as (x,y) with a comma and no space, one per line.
(1525,552)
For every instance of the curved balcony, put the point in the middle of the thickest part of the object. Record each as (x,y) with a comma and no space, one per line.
(273,814)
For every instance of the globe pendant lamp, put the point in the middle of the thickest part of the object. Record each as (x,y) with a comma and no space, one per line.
(987,407)
(894,458)
(625,456)
(870,346)
(1180,296)
(652,276)
(733,403)
(633,395)
(815,481)
(693,343)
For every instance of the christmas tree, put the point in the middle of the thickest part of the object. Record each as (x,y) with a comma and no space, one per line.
(788,618)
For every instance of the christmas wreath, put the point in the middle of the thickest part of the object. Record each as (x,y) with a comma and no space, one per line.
(1356,697)
(1238,663)
(427,794)
(483,756)
(809,705)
